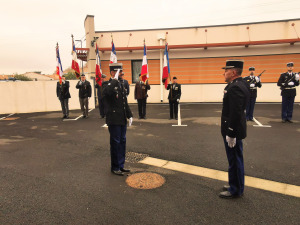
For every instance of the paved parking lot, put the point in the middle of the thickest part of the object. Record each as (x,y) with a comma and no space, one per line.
(58,172)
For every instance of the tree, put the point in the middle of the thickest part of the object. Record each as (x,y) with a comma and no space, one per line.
(22,78)
(70,76)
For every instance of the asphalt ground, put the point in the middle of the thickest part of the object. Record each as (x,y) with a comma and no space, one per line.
(58,172)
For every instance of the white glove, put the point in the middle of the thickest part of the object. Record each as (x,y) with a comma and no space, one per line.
(177,100)
(117,75)
(130,121)
(257,79)
(291,83)
(80,82)
(252,85)
(297,76)
(231,141)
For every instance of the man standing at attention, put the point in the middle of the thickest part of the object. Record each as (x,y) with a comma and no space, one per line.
(233,126)
(63,94)
(140,94)
(116,118)
(287,83)
(254,83)
(174,97)
(85,92)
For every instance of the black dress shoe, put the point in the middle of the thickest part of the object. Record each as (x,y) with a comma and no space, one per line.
(283,121)
(228,195)
(67,117)
(124,170)
(290,121)
(226,187)
(118,172)
(64,117)
(84,116)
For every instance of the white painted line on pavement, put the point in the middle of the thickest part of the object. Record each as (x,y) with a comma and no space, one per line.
(259,124)
(76,117)
(6,116)
(268,185)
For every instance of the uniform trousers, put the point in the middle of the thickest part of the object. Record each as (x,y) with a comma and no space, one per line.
(173,108)
(287,108)
(84,105)
(65,106)
(117,146)
(101,107)
(142,107)
(250,108)
(236,175)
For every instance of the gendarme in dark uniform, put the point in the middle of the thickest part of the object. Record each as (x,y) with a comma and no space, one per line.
(254,83)
(233,126)
(118,112)
(287,83)
(63,94)
(174,97)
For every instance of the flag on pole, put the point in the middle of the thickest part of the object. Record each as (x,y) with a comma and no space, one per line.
(166,68)
(59,70)
(144,71)
(98,67)
(75,65)
(113,54)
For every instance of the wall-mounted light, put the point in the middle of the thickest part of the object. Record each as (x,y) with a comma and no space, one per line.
(93,41)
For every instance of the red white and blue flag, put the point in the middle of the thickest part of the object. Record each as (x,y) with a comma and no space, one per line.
(144,71)
(166,68)
(113,54)
(98,67)
(75,65)
(59,70)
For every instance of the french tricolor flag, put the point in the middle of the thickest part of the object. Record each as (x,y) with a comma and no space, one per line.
(98,68)
(113,54)
(166,69)
(59,70)
(144,71)
(75,65)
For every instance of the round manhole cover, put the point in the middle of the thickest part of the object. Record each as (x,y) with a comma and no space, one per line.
(145,180)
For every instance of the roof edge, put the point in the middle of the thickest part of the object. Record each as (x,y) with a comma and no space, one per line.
(88,16)
(223,25)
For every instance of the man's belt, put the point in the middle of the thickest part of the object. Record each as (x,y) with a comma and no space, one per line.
(253,88)
(290,88)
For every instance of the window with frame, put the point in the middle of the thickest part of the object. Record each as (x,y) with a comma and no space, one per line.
(136,67)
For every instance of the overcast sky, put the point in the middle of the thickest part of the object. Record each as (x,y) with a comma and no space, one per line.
(31,28)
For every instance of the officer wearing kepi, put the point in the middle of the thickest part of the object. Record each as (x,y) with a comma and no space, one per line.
(254,83)
(174,97)
(287,83)
(118,112)
(233,126)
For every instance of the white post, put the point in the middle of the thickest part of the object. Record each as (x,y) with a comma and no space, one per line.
(179,118)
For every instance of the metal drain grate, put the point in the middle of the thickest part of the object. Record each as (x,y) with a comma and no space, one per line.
(134,157)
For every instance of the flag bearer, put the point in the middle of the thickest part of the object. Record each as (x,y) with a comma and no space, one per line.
(118,112)
(287,83)
(85,92)
(63,94)
(174,97)
(140,94)
(254,83)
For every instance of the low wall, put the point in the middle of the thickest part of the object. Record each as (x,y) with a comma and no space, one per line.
(35,96)
(40,96)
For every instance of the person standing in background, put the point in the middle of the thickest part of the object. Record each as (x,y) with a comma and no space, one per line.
(140,94)
(63,94)
(85,92)
(101,101)
(254,83)
(174,97)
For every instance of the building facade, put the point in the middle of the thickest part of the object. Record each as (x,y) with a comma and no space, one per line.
(197,54)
